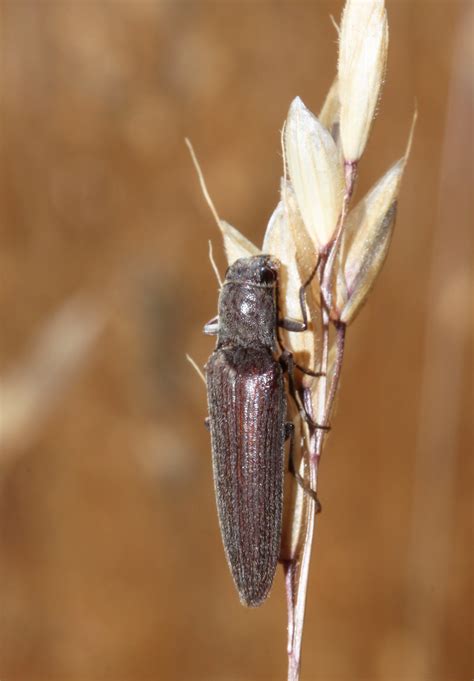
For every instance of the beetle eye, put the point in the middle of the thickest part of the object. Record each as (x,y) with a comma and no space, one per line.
(267,275)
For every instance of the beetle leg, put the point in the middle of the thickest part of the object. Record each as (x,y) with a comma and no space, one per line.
(288,363)
(312,423)
(309,372)
(297,326)
(293,324)
(290,433)
(212,326)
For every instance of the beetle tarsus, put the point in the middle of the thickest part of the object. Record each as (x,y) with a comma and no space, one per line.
(313,424)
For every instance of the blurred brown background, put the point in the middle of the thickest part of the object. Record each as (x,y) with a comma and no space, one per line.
(111,565)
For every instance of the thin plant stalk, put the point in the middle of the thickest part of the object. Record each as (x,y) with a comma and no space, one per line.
(297,579)
(296,607)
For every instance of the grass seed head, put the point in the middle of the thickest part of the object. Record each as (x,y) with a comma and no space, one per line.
(315,172)
(363,45)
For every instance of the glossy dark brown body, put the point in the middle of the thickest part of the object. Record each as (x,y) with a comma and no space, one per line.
(247,410)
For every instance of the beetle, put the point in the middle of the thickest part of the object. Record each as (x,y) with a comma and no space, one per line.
(247,420)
